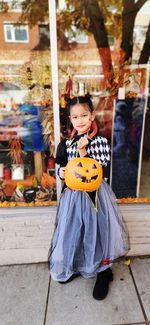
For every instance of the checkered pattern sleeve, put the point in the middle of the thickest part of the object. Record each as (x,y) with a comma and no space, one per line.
(99,150)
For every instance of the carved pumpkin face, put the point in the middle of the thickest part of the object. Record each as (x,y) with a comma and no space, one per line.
(83,174)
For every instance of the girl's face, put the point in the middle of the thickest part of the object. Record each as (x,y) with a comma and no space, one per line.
(81,117)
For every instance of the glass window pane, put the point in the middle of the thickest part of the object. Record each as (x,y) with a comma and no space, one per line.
(9,33)
(94,53)
(27,166)
(20,34)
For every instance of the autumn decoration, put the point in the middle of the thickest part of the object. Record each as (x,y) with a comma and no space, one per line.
(15,151)
(134,200)
(48,129)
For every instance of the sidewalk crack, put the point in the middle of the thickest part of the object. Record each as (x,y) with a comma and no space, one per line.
(47,300)
(139,298)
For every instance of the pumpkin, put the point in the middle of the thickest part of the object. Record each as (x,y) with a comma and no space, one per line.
(83,174)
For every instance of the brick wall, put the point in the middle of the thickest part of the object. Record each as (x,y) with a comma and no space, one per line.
(33,34)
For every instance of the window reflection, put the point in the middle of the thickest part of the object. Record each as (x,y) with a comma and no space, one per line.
(27,169)
(92,54)
(145,168)
(127,146)
(103,66)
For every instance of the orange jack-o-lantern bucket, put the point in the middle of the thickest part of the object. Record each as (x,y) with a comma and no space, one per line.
(83,174)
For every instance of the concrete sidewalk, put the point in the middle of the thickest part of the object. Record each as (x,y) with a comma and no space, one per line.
(28,297)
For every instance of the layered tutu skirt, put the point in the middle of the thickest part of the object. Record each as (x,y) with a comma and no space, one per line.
(87,237)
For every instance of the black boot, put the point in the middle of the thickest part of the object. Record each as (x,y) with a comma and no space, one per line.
(102,284)
(70,279)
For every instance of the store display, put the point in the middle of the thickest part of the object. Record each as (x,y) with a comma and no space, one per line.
(48,128)
(27,149)
(27,129)
(30,194)
(2,190)
(32,138)
(17,172)
(51,163)
(7,173)
(1,170)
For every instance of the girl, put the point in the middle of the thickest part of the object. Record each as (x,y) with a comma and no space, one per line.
(89,232)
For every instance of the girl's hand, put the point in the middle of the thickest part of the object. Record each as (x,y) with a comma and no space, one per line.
(62,172)
(82,143)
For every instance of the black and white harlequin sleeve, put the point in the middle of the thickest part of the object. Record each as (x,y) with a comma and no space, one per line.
(100,150)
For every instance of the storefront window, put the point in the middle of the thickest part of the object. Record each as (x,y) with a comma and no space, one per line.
(103,63)
(99,53)
(27,168)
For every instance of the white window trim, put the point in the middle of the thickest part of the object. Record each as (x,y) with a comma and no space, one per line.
(55,90)
(43,23)
(13,40)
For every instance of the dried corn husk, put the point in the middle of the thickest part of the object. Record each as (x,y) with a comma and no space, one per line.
(15,151)
(48,129)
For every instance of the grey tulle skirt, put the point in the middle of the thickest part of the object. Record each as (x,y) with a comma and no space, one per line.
(87,238)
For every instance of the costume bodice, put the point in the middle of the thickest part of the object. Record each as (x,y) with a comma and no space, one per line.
(97,148)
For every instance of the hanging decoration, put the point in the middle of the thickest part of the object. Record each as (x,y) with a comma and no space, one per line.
(30,83)
(35,75)
(15,151)
(69,86)
(46,81)
(48,129)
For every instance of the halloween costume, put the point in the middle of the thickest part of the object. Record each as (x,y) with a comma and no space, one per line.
(90,233)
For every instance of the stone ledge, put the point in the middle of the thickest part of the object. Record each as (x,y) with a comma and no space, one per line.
(25,233)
